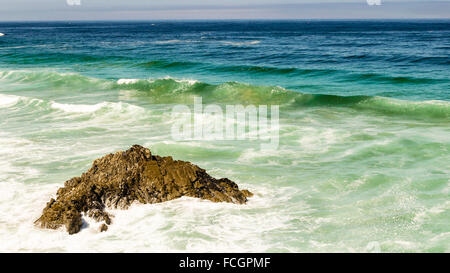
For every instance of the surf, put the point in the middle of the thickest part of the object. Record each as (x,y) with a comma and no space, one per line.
(363,130)
(173,90)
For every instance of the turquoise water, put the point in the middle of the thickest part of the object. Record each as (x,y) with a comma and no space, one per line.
(363,159)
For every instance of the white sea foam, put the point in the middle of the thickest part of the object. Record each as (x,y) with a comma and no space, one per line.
(309,192)
(188,81)
(185,224)
(167,42)
(78,108)
(91,108)
(241,43)
(8,100)
(425,214)
(13,47)
(132,81)
(127,81)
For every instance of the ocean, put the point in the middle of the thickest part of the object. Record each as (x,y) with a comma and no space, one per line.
(362,165)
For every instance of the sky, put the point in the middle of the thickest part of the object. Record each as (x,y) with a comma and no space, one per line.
(51,10)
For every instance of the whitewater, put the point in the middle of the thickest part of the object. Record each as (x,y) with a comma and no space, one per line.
(363,156)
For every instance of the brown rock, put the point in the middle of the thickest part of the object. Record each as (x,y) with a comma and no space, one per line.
(103,228)
(117,180)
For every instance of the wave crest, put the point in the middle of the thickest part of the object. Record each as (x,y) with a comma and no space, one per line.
(170,90)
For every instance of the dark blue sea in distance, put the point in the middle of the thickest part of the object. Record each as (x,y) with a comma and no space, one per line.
(401,59)
(364,131)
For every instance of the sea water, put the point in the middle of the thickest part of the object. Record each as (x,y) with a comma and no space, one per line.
(363,161)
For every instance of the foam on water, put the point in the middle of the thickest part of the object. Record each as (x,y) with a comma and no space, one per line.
(363,158)
(127,81)
(8,100)
(107,106)
(186,224)
(241,43)
(77,108)
(169,89)
(134,81)
(167,42)
(283,216)
(301,201)
(104,108)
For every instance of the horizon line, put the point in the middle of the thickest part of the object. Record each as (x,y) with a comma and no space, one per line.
(234,19)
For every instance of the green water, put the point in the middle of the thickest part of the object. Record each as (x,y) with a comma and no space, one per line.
(345,175)
(363,159)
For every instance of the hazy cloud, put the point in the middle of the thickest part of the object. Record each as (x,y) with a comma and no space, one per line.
(18,10)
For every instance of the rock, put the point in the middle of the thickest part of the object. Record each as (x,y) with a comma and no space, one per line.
(247,193)
(103,228)
(117,180)
(72,220)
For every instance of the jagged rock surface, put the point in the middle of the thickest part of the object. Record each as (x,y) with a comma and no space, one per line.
(117,180)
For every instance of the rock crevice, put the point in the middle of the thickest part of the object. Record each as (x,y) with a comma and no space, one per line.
(117,180)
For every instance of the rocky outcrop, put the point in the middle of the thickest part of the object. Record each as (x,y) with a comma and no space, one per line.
(117,180)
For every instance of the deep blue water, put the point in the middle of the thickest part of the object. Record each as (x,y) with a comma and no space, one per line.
(401,59)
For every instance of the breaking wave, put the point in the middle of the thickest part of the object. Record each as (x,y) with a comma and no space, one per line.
(170,90)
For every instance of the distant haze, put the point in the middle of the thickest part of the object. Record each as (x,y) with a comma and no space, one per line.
(48,10)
